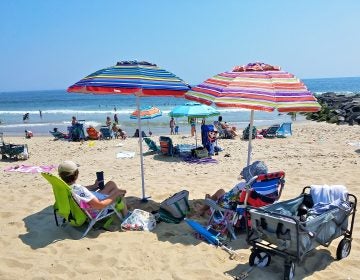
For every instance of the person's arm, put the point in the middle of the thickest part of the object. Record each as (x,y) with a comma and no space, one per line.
(100,204)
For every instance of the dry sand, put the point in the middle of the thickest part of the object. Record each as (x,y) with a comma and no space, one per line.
(32,247)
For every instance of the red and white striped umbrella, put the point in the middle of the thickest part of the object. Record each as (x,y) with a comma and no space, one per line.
(255,86)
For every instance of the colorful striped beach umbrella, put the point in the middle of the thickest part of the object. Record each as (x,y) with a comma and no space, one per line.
(255,86)
(133,77)
(146,113)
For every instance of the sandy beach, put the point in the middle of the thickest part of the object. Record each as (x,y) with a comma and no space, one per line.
(32,247)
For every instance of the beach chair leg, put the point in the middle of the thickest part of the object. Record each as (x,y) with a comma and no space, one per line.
(91,224)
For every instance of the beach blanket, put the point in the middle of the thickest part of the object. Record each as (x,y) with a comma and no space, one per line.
(125,154)
(30,169)
(194,160)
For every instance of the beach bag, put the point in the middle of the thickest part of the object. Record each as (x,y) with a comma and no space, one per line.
(139,220)
(201,152)
(175,208)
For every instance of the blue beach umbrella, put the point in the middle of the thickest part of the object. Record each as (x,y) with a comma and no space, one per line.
(212,239)
(194,110)
(136,78)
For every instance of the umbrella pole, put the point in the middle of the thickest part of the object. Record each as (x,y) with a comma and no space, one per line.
(195,135)
(144,199)
(250,137)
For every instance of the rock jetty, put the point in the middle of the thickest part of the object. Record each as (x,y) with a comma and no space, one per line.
(337,108)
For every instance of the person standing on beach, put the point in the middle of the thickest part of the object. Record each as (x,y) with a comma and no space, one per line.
(193,126)
(172,126)
(116,120)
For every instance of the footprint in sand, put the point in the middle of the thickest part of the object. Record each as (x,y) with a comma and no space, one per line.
(16,264)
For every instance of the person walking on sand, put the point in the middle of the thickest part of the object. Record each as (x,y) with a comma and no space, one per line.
(172,126)
(193,127)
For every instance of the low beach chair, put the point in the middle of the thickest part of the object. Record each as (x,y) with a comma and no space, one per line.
(271,131)
(74,213)
(76,131)
(284,130)
(58,135)
(261,190)
(246,133)
(223,133)
(93,134)
(13,151)
(151,144)
(106,133)
(166,146)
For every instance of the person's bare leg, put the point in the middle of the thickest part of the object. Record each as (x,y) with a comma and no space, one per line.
(112,189)
(219,193)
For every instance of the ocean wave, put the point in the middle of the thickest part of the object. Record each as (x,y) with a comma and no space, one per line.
(70,112)
(49,124)
(336,92)
(126,111)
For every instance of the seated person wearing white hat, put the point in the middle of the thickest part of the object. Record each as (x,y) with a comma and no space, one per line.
(69,173)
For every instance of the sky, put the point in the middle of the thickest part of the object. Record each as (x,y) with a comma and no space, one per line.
(52,44)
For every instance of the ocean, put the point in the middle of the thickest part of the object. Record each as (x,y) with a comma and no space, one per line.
(57,107)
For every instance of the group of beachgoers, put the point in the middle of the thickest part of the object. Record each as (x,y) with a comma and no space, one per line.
(100,197)
(76,130)
(231,130)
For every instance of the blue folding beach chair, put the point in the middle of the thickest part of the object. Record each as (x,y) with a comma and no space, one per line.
(284,130)
(105,132)
(151,144)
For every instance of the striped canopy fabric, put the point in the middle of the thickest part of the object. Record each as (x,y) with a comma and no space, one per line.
(256,86)
(132,77)
(146,113)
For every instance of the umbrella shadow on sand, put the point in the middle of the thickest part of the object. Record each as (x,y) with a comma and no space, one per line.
(181,233)
(42,230)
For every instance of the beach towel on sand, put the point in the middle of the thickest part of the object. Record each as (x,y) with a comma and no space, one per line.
(30,169)
(194,160)
(125,154)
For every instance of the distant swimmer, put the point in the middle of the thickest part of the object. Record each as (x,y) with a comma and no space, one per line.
(26,116)
(40,113)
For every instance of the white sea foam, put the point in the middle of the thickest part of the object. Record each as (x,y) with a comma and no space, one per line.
(71,112)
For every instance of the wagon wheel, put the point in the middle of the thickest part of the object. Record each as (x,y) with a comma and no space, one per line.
(343,249)
(289,271)
(259,258)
